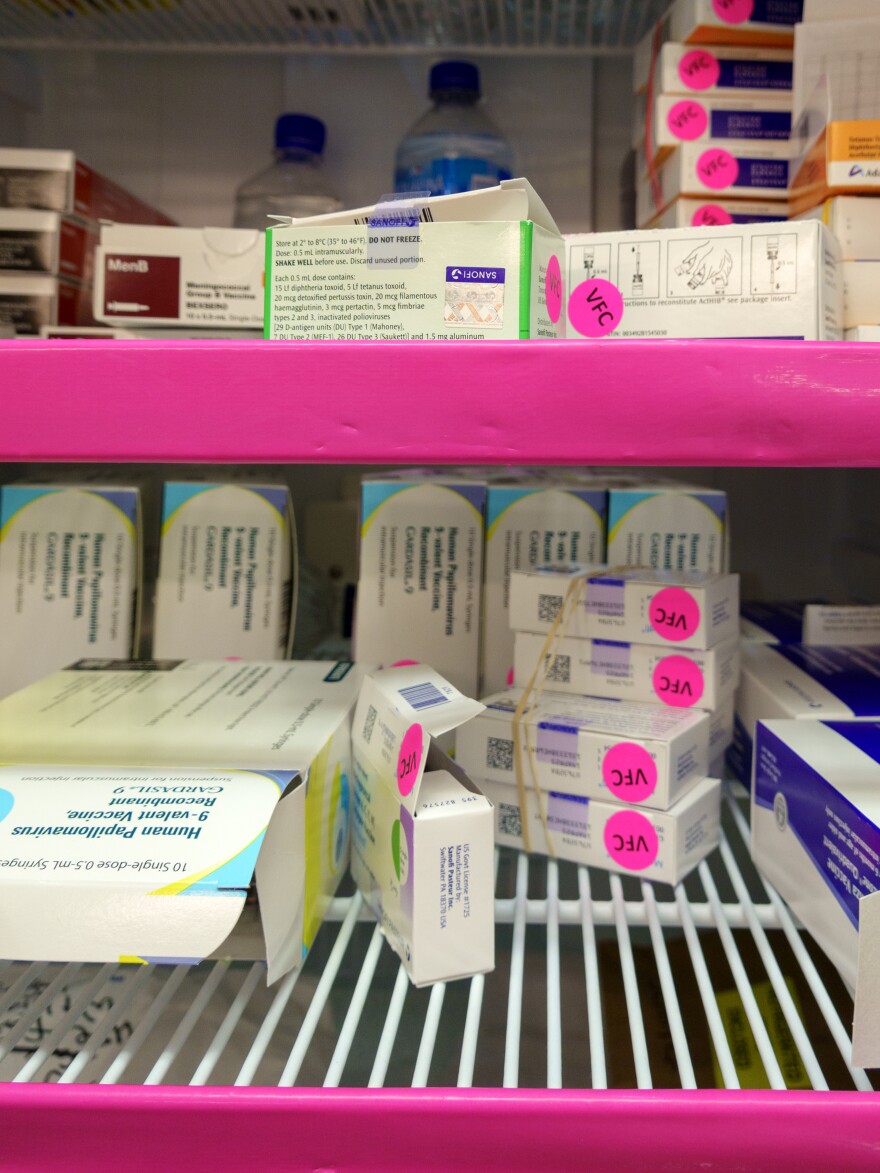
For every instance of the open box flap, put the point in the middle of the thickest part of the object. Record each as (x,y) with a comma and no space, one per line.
(399,711)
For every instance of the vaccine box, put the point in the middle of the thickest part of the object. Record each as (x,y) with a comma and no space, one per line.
(93,847)
(59,182)
(802,683)
(708,213)
(841,625)
(527,523)
(680,678)
(676,119)
(421,562)
(654,845)
(623,751)
(737,281)
(180,276)
(485,264)
(665,608)
(722,71)
(855,221)
(861,296)
(47,242)
(70,566)
(29,301)
(816,837)
(732,22)
(226,572)
(668,526)
(422,842)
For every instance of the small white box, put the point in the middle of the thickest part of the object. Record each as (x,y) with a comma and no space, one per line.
(668,526)
(666,608)
(654,845)
(192,827)
(733,281)
(226,573)
(47,242)
(180,276)
(837,625)
(862,334)
(806,683)
(816,837)
(29,301)
(421,560)
(705,119)
(529,522)
(749,22)
(855,221)
(70,566)
(422,847)
(714,70)
(698,213)
(861,292)
(636,672)
(617,751)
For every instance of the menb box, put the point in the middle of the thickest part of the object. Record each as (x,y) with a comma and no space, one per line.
(484,264)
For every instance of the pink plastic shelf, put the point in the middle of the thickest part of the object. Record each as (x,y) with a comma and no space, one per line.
(93,1129)
(646,402)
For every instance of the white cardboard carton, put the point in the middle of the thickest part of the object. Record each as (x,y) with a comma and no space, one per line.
(187,730)
(70,567)
(668,526)
(226,572)
(723,22)
(484,264)
(727,71)
(655,845)
(706,118)
(816,837)
(46,242)
(617,751)
(840,625)
(638,672)
(709,212)
(861,292)
(862,334)
(855,221)
(162,276)
(422,848)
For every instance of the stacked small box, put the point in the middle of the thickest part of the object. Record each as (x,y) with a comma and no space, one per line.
(609,763)
(713,86)
(855,222)
(50,204)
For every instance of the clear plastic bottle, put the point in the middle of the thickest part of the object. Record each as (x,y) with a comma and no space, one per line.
(294,185)
(453,146)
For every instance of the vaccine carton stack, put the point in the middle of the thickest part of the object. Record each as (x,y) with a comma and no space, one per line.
(622,703)
(713,85)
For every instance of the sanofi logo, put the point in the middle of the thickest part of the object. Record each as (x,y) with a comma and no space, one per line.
(463,273)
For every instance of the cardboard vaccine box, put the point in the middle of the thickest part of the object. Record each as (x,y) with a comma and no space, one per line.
(802,683)
(421,560)
(842,624)
(861,292)
(226,571)
(862,334)
(722,71)
(681,678)
(668,526)
(855,221)
(698,213)
(655,845)
(70,568)
(88,851)
(29,301)
(59,182)
(704,119)
(735,281)
(529,522)
(816,837)
(422,845)
(592,747)
(180,276)
(47,242)
(484,264)
(723,22)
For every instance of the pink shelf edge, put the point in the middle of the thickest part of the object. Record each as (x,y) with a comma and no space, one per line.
(96,1128)
(640,402)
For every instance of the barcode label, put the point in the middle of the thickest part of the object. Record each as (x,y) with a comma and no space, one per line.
(369,723)
(387,220)
(423,696)
(549,607)
(559,670)
(499,753)
(509,821)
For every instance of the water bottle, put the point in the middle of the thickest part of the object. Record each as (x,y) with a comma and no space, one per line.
(294,185)
(453,147)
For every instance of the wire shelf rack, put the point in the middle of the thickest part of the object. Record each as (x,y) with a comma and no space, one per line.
(584,27)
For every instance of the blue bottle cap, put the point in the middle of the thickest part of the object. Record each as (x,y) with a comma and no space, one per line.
(300,130)
(454,75)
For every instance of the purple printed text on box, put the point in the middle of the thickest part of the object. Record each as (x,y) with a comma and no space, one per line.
(609,658)
(605,597)
(558,745)
(568,814)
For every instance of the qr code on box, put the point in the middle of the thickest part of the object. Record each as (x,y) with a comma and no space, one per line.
(499,753)
(509,821)
(369,723)
(549,607)
(559,670)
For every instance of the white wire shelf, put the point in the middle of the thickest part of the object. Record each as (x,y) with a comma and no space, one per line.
(601,982)
(587,27)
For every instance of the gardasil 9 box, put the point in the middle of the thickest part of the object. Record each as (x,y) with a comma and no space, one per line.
(668,526)
(483,264)
(422,846)
(190,775)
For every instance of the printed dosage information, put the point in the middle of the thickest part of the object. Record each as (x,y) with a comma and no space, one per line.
(733,11)
(717,169)
(710,214)
(687,120)
(553,289)
(629,772)
(409,759)
(631,840)
(699,70)
(678,681)
(674,614)
(595,308)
